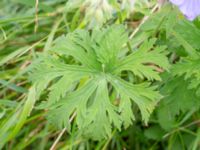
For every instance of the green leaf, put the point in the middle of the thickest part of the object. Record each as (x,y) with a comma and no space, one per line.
(185,28)
(154,132)
(125,109)
(101,114)
(189,68)
(144,96)
(85,87)
(74,44)
(59,89)
(178,98)
(60,113)
(144,61)
(106,52)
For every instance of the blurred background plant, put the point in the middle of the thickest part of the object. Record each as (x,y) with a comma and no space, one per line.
(29,27)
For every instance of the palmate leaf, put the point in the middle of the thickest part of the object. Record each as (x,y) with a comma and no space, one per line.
(84,88)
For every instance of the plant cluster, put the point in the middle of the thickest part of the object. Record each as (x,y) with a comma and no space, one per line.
(99,74)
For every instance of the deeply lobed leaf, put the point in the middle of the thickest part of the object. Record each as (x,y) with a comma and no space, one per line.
(84,87)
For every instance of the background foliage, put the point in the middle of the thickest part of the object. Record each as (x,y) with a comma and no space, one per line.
(98,74)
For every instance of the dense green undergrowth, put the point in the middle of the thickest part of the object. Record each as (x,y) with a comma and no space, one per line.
(113,77)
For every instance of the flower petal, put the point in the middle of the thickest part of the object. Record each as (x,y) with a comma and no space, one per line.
(190,8)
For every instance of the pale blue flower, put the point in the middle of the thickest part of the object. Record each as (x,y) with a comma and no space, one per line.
(190,8)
